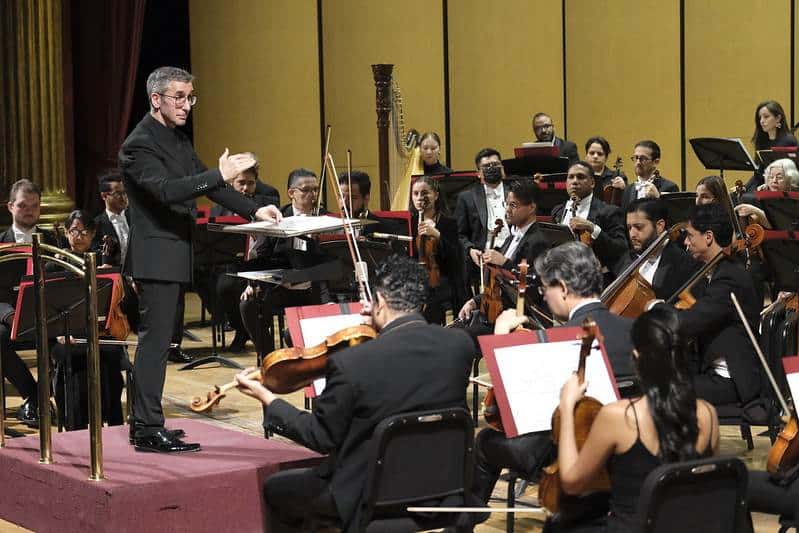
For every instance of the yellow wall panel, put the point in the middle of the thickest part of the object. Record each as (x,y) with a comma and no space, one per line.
(729,68)
(360,33)
(258,83)
(623,76)
(505,65)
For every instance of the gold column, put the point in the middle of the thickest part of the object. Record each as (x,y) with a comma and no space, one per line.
(32,105)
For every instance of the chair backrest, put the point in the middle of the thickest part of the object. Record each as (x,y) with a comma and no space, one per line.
(419,457)
(706,495)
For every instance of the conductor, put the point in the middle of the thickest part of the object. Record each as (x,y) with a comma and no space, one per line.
(163,175)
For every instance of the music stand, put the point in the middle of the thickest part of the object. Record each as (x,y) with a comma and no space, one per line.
(678,205)
(718,153)
(781,208)
(769,156)
(65,309)
(781,253)
(215,251)
(372,252)
(556,234)
(529,166)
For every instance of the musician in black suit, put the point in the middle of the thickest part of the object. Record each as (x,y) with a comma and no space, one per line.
(728,366)
(357,199)
(479,207)
(113,221)
(649,183)
(597,151)
(572,280)
(410,366)
(163,176)
(586,213)
(667,270)
(24,204)
(544,131)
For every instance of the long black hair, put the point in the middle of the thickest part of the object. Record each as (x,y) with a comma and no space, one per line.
(440,206)
(759,137)
(660,366)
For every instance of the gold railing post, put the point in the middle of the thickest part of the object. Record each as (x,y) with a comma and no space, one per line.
(42,354)
(93,367)
(2,403)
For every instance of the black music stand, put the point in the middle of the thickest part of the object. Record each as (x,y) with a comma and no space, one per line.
(65,309)
(781,260)
(529,166)
(10,274)
(555,234)
(782,209)
(678,205)
(769,156)
(372,252)
(215,251)
(718,153)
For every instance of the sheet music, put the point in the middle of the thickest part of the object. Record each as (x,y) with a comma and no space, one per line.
(290,226)
(533,374)
(315,330)
(269,276)
(538,144)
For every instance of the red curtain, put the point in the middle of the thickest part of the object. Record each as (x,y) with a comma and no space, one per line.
(106,41)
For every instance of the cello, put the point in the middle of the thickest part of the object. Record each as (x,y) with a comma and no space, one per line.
(550,492)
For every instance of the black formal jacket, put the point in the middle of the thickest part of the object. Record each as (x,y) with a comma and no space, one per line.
(163,176)
(612,240)
(264,195)
(448,256)
(675,268)
(616,331)
(567,149)
(604,179)
(662,184)
(471,214)
(718,330)
(105,227)
(410,366)
(275,252)
(438,168)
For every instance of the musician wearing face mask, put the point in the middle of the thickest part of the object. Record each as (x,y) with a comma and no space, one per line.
(589,216)
(478,208)
(544,131)
(666,270)
(648,182)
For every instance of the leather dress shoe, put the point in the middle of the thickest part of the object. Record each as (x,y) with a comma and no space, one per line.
(176,433)
(28,414)
(239,342)
(176,355)
(161,443)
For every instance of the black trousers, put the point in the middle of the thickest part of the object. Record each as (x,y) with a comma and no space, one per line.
(715,389)
(292,495)
(14,368)
(228,296)
(765,496)
(158,307)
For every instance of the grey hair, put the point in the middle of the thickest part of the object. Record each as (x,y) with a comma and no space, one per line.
(158,80)
(789,170)
(574,264)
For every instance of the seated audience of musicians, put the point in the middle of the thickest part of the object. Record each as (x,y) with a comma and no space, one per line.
(648,182)
(667,423)
(781,176)
(771,130)
(480,206)
(571,280)
(665,270)
(590,218)
(728,371)
(544,131)
(526,242)
(357,198)
(410,366)
(597,151)
(292,253)
(437,246)
(70,380)
(24,204)
(430,145)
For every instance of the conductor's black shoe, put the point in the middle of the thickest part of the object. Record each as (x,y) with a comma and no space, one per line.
(238,344)
(28,414)
(176,433)
(161,443)
(176,355)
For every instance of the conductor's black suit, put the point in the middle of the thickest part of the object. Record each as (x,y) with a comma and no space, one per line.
(163,176)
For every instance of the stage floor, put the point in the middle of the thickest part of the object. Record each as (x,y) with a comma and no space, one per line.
(240,413)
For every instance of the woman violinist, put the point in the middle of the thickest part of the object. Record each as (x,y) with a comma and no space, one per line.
(597,151)
(632,437)
(437,247)
(771,129)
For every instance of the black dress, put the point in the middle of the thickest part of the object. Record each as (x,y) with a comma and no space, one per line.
(435,169)
(757,178)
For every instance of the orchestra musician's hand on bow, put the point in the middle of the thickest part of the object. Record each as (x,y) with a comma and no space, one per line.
(253,387)
(231,166)
(475,254)
(269,213)
(493,257)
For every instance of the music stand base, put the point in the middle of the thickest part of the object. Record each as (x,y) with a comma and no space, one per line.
(223,361)
(13,433)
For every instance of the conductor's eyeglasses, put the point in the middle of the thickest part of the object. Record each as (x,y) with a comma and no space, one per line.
(182,99)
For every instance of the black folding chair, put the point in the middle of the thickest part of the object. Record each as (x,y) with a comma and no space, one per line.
(706,495)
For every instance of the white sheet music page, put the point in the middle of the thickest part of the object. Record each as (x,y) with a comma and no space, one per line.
(315,330)
(294,225)
(533,374)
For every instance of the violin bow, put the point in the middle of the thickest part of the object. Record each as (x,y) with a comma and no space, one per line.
(349,178)
(352,243)
(324,167)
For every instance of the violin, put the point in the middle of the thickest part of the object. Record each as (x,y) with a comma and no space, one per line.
(289,369)
(747,236)
(629,294)
(550,493)
(582,236)
(427,248)
(683,299)
(611,194)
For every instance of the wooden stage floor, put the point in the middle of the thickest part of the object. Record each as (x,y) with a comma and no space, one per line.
(240,413)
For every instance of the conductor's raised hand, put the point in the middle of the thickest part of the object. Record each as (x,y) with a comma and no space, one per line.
(269,213)
(231,166)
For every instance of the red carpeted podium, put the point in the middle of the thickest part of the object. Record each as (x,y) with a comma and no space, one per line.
(216,489)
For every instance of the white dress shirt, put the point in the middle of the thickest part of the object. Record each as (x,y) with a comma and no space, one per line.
(495,207)
(22,236)
(649,267)
(583,208)
(518,235)
(122,230)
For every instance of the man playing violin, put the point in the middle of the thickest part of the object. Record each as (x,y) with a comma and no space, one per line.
(667,269)
(649,183)
(410,366)
(584,212)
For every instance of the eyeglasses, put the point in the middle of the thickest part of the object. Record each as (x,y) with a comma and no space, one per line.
(75,233)
(641,158)
(307,189)
(182,99)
